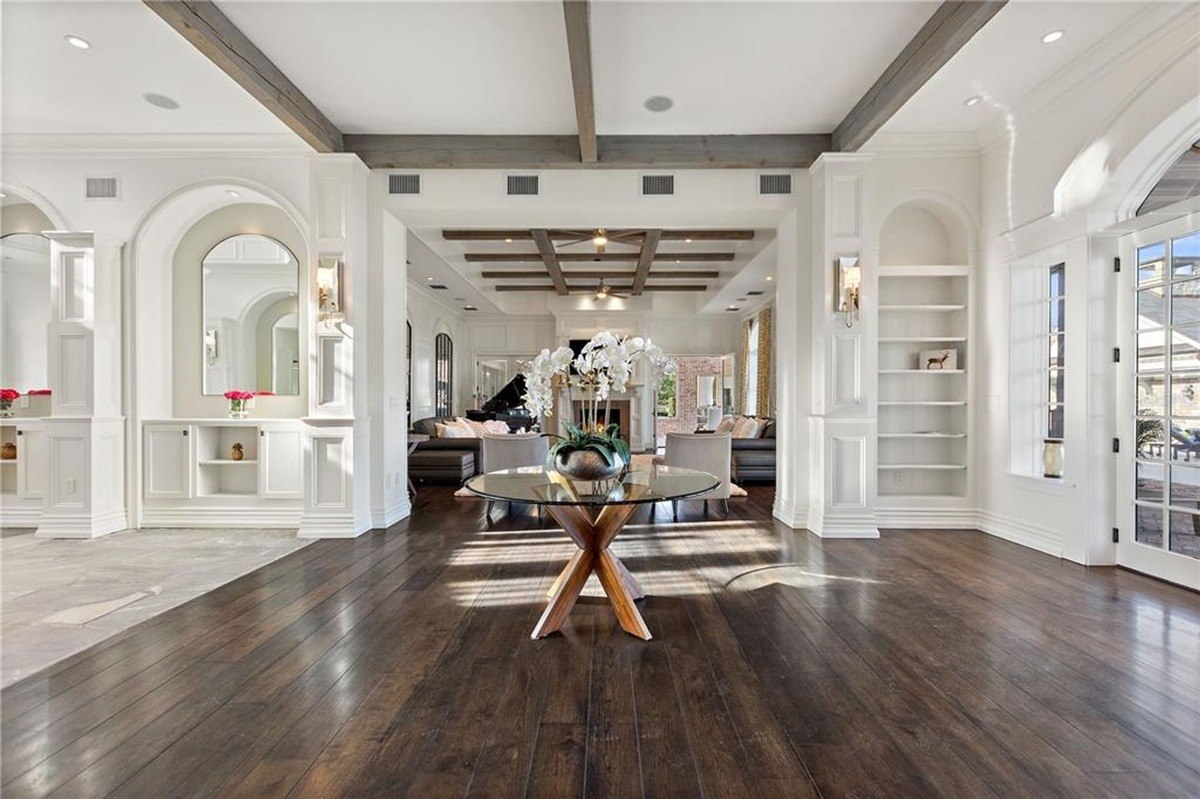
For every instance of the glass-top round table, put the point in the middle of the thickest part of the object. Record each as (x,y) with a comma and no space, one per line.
(592,513)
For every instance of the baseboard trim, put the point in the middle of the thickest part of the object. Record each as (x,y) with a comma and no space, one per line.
(82,525)
(927,518)
(383,518)
(219,517)
(20,517)
(1042,539)
(844,525)
(795,518)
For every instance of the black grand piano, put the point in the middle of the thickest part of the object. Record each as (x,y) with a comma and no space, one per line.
(508,405)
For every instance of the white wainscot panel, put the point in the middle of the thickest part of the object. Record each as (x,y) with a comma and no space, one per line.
(68,470)
(281,467)
(845,206)
(74,372)
(33,466)
(848,470)
(168,462)
(846,364)
(492,337)
(331,200)
(330,471)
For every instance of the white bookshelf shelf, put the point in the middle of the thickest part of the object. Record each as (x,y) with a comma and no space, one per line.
(229,462)
(922,371)
(10,461)
(921,308)
(884,467)
(912,308)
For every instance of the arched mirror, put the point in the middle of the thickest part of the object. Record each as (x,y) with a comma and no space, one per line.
(251,332)
(24,311)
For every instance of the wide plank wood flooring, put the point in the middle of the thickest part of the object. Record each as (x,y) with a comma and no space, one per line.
(399,664)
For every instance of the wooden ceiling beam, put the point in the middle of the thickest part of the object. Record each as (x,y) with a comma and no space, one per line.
(654,287)
(938,40)
(220,41)
(550,258)
(593,257)
(698,234)
(649,246)
(418,151)
(598,275)
(577,14)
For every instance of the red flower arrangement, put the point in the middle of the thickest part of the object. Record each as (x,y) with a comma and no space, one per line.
(9,394)
(239,395)
(238,402)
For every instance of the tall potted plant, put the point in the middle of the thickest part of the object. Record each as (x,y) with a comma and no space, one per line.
(592,449)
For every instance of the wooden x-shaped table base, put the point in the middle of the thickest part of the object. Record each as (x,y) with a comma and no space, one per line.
(593,536)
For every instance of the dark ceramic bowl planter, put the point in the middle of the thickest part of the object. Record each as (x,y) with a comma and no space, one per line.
(587,464)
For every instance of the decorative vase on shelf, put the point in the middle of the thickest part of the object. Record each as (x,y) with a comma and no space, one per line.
(7,397)
(1052,458)
(8,451)
(239,403)
(236,453)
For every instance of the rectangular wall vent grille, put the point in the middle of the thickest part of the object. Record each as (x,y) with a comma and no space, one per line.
(775,184)
(754,293)
(522,185)
(404,184)
(437,286)
(101,189)
(658,184)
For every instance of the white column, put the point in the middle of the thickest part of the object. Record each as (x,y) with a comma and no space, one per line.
(85,435)
(337,452)
(792,364)
(843,421)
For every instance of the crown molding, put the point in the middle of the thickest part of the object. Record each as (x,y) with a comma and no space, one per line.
(154,144)
(945,143)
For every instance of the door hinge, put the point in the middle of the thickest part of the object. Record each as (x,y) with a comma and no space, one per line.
(1116,536)
(1116,354)
(1116,445)
(1117,264)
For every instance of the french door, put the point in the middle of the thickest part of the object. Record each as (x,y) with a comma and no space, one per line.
(1159,487)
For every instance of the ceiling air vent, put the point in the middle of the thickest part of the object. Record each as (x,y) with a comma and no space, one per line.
(101,189)
(404,184)
(437,286)
(658,185)
(522,185)
(775,183)
(754,293)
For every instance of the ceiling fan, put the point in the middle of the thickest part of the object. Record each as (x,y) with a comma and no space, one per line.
(603,291)
(600,238)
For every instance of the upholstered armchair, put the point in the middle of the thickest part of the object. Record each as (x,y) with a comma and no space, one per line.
(511,452)
(707,452)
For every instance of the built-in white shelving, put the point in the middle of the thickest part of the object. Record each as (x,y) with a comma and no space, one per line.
(23,478)
(923,412)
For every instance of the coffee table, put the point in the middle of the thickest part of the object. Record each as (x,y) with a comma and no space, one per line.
(592,514)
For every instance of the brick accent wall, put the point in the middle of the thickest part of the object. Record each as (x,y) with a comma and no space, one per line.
(690,367)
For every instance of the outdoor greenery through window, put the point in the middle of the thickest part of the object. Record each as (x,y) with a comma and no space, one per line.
(1056,337)
(665,405)
(1167,456)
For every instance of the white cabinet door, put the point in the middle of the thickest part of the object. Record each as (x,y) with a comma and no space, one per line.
(168,461)
(280,462)
(33,469)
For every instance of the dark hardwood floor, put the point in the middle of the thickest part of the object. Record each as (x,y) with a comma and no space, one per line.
(399,664)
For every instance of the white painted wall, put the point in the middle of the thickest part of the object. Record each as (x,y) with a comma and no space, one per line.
(24,311)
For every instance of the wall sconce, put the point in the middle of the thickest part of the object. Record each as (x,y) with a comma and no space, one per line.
(329,289)
(210,346)
(847,278)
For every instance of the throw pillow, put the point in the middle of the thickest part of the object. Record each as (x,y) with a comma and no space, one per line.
(496,427)
(455,430)
(477,428)
(746,428)
(439,430)
(726,424)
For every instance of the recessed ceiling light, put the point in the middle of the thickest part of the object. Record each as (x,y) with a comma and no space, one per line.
(1051,37)
(731,308)
(429,278)
(160,101)
(687,241)
(78,41)
(232,193)
(2,195)
(769,277)
(508,241)
(470,308)
(974,99)
(658,103)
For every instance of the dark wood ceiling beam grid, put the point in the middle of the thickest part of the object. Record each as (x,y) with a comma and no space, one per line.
(550,258)
(697,234)
(651,287)
(577,14)
(605,257)
(220,41)
(939,39)
(416,151)
(599,275)
(649,247)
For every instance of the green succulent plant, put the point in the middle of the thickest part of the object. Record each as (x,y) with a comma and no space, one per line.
(608,444)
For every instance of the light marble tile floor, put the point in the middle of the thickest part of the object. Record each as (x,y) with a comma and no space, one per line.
(58,597)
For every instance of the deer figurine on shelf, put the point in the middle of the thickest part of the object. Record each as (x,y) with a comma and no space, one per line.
(937,363)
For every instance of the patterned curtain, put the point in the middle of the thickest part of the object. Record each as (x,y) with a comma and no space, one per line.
(743,358)
(764,363)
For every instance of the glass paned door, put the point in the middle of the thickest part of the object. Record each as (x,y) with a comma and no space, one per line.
(1165,471)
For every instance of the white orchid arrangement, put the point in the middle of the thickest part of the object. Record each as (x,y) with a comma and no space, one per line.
(605,366)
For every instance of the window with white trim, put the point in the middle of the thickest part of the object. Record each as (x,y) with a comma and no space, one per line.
(752,370)
(1055,351)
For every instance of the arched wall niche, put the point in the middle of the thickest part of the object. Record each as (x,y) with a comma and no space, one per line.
(26,211)
(188,399)
(149,296)
(922,231)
